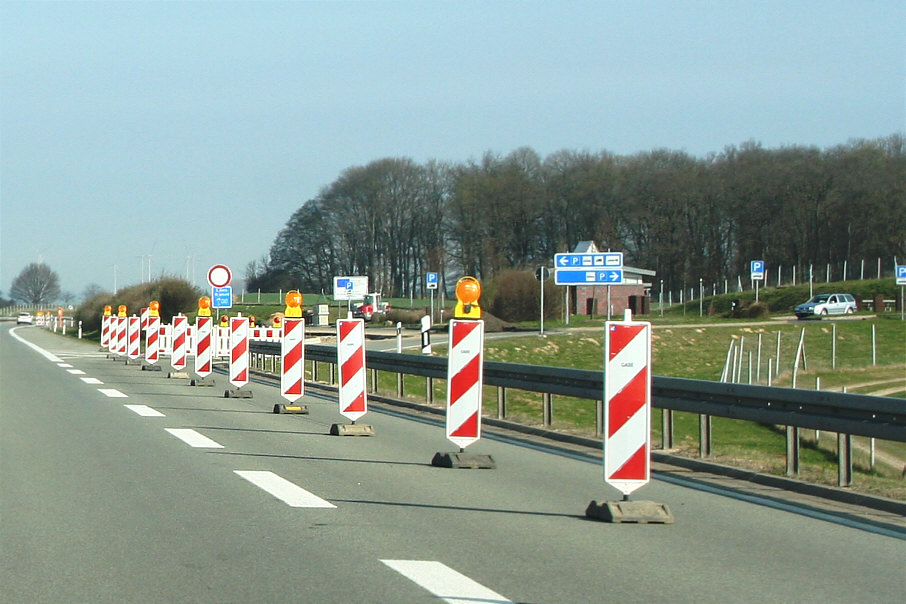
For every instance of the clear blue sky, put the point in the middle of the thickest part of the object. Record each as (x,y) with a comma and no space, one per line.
(190,132)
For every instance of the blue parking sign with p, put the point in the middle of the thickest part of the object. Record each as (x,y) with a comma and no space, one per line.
(901,274)
(431,280)
(757,269)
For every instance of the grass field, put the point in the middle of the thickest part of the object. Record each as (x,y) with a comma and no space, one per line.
(838,354)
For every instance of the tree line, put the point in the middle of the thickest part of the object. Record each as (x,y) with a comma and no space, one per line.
(685,217)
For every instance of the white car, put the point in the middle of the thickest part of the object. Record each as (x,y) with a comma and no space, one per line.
(827,304)
(24,317)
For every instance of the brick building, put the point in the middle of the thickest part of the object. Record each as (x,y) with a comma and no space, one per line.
(633,293)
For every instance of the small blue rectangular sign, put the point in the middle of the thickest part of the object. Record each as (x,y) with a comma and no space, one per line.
(222,297)
(610,276)
(901,274)
(431,280)
(598,260)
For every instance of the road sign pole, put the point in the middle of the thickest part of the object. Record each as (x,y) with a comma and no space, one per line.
(542,300)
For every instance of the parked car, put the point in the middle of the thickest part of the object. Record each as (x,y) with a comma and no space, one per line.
(822,305)
(24,317)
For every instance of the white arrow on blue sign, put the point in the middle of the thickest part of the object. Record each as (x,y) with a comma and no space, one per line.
(757,269)
(591,260)
(589,277)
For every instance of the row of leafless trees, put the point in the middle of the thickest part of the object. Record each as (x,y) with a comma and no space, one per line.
(684,217)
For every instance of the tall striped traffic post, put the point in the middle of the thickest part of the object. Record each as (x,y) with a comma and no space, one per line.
(627,423)
(152,338)
(464,379)
(105,328)
(121,341)
(351,373)
(204,344)
(134,337)
(292,355)
(239,358)
(179,348)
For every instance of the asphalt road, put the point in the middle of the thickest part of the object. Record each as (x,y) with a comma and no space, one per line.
(121,485)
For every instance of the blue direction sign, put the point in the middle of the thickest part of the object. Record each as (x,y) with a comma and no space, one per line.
(757,271)
(901,274)
(593,260)
(431,280)
(222,297)
(608,276)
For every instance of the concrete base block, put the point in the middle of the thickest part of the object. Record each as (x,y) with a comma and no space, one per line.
(639,512)
(132,362)
(203,381)
(472,461)
(237,393)
(281,409)
(184,375)
(351,430)
(151,368)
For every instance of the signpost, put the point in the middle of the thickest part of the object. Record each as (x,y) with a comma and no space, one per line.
(431,284)
(901,281)
(601,268)
(757,274)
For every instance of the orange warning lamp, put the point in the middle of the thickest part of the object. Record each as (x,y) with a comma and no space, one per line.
(224,321)
(108,310)
(468,290)
(121,310)
(154,308)
(204,306)
(251,320)
(293,304)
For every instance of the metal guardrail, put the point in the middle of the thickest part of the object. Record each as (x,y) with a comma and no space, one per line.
(852,414)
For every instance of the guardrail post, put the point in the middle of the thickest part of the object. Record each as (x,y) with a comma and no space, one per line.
(501,402)
(314,371)
(374,382)
(599,418)
(792,451)
(399,385)
(666,429)
(844,460)
(547,409)
(429,390)
(704,436)
(332,371)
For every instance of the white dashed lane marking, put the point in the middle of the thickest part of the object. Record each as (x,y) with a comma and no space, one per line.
(284,490)
(76,371)
(194,439)
(144,410)
(112,393)
(444,582)
(91,380)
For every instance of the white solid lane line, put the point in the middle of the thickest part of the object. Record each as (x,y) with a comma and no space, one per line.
(144,410)
(50,357)
(112,393)
(291,494)
(444,582)
(194,439)
(91,380)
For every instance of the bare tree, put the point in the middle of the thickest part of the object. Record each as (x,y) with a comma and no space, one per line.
(36,284)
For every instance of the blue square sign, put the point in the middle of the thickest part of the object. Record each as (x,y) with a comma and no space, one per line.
(222,297)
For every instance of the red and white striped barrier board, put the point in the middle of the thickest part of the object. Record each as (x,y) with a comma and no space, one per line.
(145,315)
(292,349)
(204,327)
(180,342)
(121,338)
(239,351)
(464,380)
(134,331)
(105,331)
(351,363)
(152,340)
(627,404)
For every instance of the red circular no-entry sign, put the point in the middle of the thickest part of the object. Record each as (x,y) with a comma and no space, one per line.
(219,275)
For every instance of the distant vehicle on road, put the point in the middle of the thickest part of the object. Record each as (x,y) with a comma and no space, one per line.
(24,317)
(822,305)
(372,305)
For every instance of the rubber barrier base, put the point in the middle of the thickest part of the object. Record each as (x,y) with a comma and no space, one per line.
(351,430)
(638,512)
(470,461)
(281,409)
